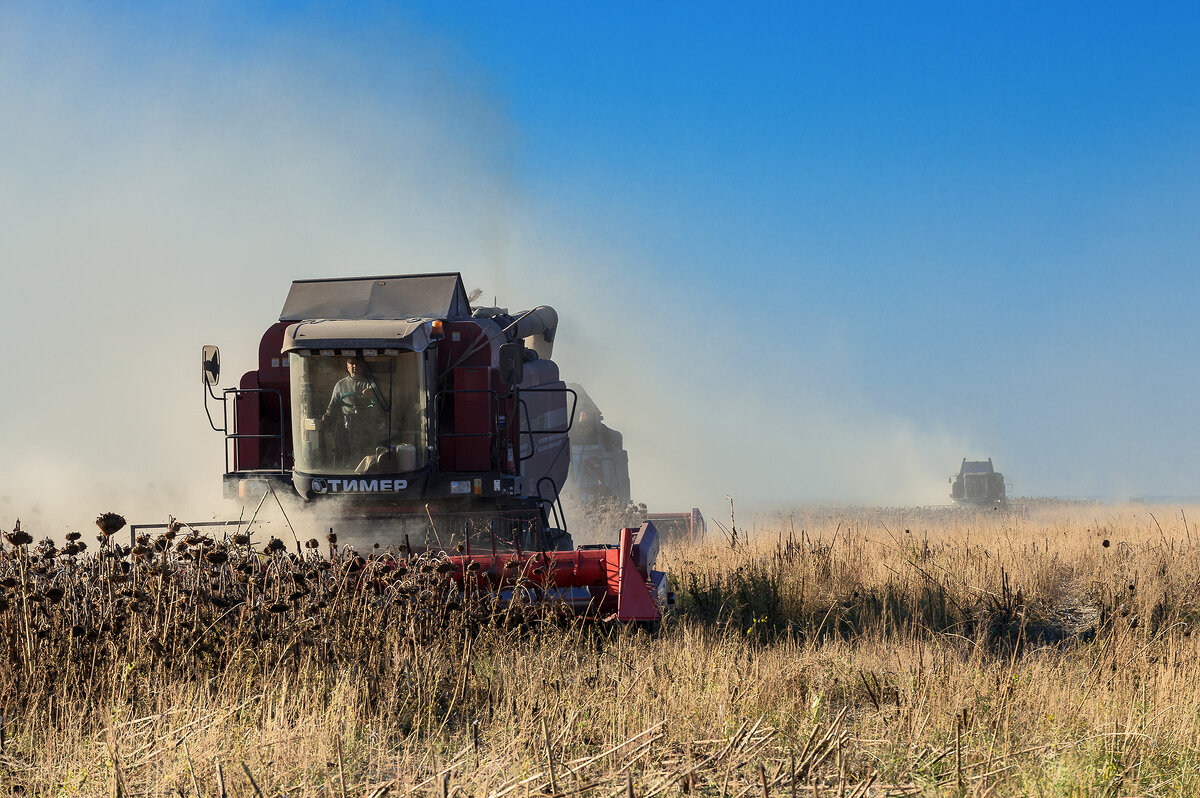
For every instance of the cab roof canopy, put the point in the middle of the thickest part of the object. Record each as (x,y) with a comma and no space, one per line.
(402,296)
(976,467)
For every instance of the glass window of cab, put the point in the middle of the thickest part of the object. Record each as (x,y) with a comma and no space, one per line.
(361,414)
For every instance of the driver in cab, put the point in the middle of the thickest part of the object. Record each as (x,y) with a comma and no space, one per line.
(354,407)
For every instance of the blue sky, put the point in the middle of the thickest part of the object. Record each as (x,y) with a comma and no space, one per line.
(992,208)
(803,251)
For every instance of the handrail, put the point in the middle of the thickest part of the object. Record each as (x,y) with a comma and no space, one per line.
(491,411)
(523,405)
(490,433)
(134,528)
(236,436)
(570,415)
(560,515)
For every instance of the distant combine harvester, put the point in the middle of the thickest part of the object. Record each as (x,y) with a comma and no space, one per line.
(978,484)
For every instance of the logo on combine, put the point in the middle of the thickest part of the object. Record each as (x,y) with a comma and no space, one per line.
(320,485)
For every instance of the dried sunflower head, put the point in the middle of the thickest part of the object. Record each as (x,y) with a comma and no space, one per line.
(18,537)
(110,523)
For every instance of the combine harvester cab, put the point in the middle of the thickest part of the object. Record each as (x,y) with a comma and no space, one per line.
(404,417)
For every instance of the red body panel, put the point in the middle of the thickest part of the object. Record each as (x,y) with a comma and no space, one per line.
(265,411)
(477,410)
(248,409)
(469,446)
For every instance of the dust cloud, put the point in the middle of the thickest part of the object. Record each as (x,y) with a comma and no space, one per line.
(153,200)
(708,408)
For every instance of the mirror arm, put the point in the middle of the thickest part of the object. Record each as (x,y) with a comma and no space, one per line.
(209,392)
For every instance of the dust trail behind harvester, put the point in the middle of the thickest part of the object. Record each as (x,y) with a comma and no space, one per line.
(147,214)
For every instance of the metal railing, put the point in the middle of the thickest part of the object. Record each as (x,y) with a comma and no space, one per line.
(554,503)
(490,433)
(524,407)
(235,436)
(135,528)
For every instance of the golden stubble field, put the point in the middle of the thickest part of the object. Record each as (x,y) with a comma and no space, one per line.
(830,652)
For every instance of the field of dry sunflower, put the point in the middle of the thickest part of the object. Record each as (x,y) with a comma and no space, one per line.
(828,652)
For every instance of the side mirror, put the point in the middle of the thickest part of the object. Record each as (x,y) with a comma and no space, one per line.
(212,364)
(512,363)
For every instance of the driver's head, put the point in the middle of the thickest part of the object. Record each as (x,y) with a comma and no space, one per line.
(354,365)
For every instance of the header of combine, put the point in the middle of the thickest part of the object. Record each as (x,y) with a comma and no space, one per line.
(978,483)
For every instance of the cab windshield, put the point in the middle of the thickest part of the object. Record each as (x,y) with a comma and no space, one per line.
(359,414)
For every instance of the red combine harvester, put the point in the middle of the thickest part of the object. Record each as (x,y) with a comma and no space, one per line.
(400,415)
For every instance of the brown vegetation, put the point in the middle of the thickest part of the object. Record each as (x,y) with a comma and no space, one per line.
(871,652)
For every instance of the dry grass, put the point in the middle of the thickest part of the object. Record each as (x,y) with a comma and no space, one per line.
(877,651)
